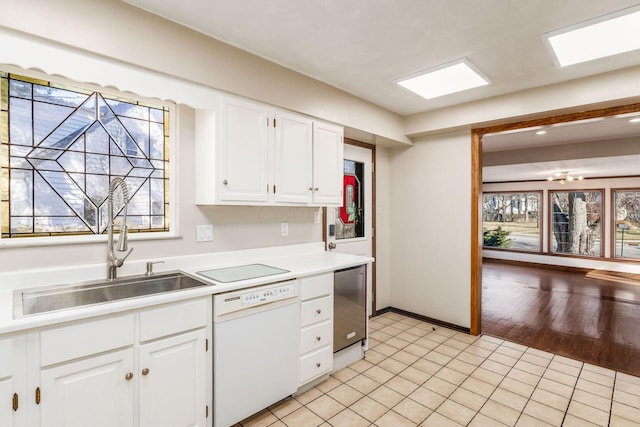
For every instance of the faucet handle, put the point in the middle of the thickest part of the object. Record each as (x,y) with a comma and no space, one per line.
(149,271)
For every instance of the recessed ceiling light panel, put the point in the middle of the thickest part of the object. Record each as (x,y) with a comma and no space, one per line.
(608,35)
(448,78)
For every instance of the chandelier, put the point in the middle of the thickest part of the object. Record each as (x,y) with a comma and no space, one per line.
(564,177)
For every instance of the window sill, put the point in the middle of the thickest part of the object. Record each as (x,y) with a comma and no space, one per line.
(25,242)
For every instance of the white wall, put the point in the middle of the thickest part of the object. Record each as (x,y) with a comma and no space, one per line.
(431,227)
(588,184)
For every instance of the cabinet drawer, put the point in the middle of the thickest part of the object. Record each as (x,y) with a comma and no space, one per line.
(173,318)
(64,343)
(6,357)
(315,311)
(316,363)
(316,286)
(315,337)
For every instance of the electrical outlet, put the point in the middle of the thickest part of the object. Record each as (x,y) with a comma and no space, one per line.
(204,233)
(284,229)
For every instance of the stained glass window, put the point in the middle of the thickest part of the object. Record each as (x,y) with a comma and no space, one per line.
(60,148)
(350,217)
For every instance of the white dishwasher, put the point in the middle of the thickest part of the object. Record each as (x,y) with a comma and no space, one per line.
(255,349)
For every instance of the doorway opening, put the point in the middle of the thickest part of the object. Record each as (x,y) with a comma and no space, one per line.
(351,227)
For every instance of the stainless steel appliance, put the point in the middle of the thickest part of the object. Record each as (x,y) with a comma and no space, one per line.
(349,306)
(255,345)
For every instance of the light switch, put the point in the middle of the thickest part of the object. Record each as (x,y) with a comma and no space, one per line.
(284,229)
(204,233)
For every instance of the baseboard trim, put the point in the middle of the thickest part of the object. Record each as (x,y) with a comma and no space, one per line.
(537,265)
(423,318)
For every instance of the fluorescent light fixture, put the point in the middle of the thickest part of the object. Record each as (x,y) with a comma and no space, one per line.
(541,132)
(577,122)
(636,120)
(597,38)
(449,78)
(507,132)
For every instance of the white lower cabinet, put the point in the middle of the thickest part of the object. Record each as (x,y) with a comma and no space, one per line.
(144,368)
(12,380)
(316,322)
(172,381)
(93,391)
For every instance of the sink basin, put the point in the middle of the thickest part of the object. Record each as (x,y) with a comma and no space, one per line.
(60,297)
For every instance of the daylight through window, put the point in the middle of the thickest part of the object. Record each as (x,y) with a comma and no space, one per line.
(576,222)
(512,221)
(60,148)
(627,223)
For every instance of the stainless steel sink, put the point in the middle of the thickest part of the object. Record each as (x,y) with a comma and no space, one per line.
(60,297)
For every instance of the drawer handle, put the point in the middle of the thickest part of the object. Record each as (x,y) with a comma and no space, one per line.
(129,376)
(145,371)
(318,364)
(318,339)
(318,311)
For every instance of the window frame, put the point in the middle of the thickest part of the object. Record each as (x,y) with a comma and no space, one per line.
(170,215)
(613,221)
(603,218)
(541,217)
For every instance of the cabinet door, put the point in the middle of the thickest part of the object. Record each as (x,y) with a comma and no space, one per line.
(293,158)
(13,380)
(173,381)
(94,391)
(243,151)
(327,164)
(6,402)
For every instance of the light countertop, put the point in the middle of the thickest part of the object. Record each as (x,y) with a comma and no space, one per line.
(299,260)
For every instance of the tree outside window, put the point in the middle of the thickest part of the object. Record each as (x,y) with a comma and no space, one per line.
(512,221)
(576,218)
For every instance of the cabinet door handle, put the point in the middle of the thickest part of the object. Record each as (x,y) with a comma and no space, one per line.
(15,402)
(318,339)
(318,364)
(225,182)
(38,396)
(318,311)
(310,188)
(315,189)
(145,371)
(129,376)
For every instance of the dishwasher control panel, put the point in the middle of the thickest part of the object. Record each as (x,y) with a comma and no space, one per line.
(230,302)
(262,295)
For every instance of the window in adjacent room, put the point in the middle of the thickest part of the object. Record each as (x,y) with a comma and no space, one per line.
(62,145)
(576,219)
(512,221)
(626,204)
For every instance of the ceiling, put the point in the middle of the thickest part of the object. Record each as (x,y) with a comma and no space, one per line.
(364,46)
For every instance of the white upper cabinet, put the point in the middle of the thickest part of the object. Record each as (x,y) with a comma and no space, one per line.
(293,172)
(327,164)
(243,151)
(249,153)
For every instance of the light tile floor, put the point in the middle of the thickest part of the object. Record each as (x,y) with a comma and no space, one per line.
(416,373)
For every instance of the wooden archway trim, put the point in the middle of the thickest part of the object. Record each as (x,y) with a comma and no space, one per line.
(476,190)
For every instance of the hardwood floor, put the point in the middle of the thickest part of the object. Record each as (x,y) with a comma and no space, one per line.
(592,320)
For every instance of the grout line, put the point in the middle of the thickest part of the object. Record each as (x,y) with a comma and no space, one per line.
(613,392)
